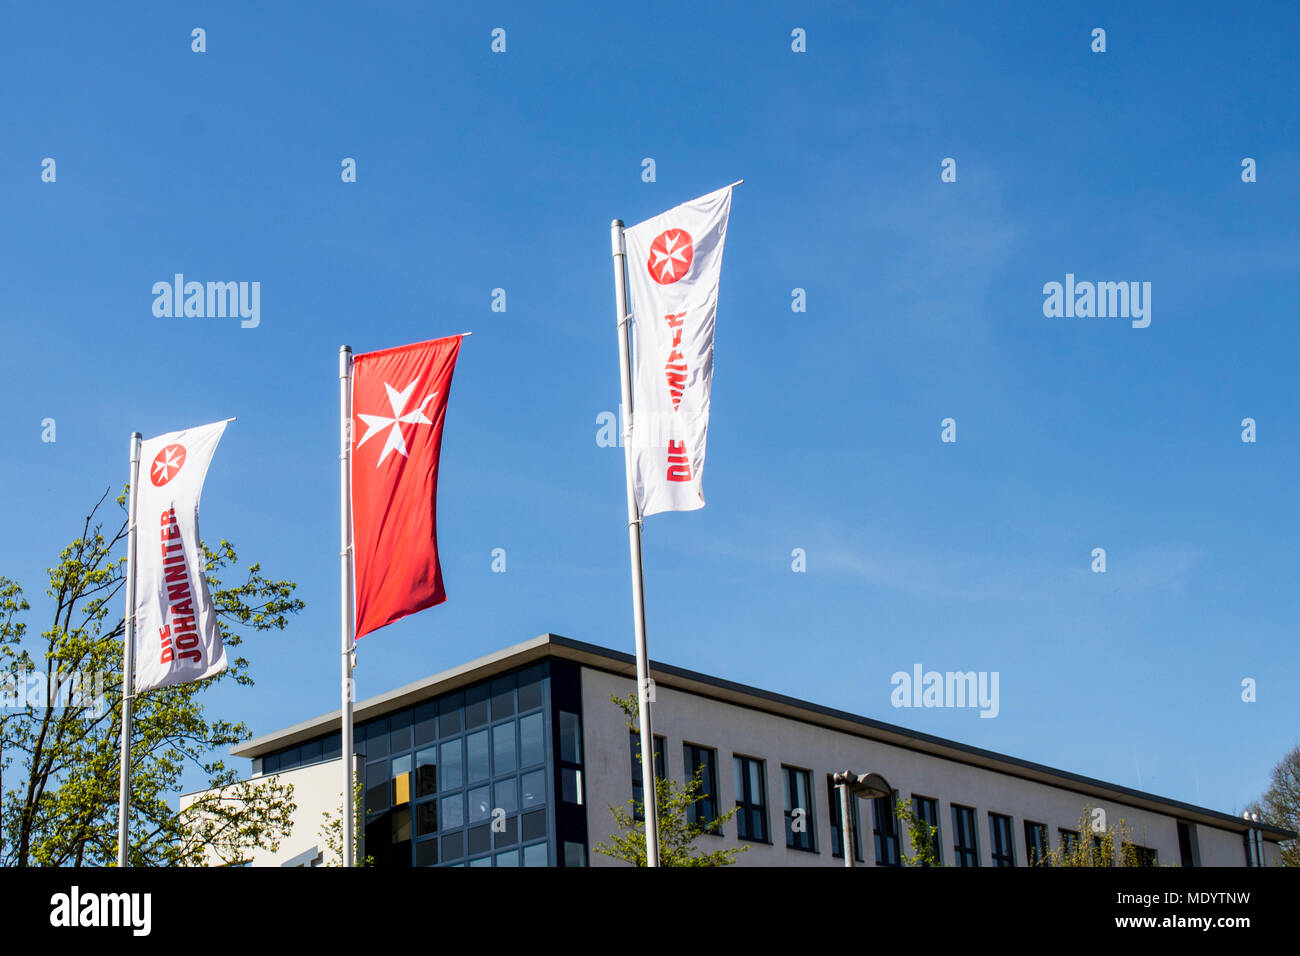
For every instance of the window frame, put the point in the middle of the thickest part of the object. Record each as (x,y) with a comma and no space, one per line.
(790,776)
(968,815)
(745,805)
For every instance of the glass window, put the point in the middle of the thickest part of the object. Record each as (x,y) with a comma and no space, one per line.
(837,821)
(534,825)
(508,858)
(377,738)
(290,758)
(479,840)
(638,785)
(401,780)
(885,831)
(271,764)
(426,772)
(377,786)
(508,834)
(570,737)
(751,799)
(399,733)
(483,861)
(503,696)
(1068,841)
(426,723)
(1002,849)
(927,811)
(453,811)
(1138,855)
(535,855)
(476,746)
(575,854)
(534,789)
(333,747)
(313,751)
(503,748)
(402,825)
(704,810)
(426,817)
(963,829)
(800,823)
(480,804)
(1036,844)
(426,852)
(505,795)
(453,845)
(530,687)
(451,716)
(476,706)
(571,785)
(450,763)
(532,749)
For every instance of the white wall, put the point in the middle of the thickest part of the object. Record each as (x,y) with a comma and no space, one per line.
(730,729)
(317,788)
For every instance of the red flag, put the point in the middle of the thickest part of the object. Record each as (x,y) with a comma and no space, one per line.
(399,402)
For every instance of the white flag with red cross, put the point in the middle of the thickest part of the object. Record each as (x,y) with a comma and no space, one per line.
(176,635)
(674,261)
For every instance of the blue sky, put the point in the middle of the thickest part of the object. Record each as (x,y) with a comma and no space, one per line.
(924,301)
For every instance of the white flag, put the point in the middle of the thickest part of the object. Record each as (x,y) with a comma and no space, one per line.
(176,636)
(674,261)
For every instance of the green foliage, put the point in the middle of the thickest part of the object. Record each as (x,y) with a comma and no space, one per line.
(924,836)
(677,834)
(1280,803)
(60,807)
(1095,846)
(332,831)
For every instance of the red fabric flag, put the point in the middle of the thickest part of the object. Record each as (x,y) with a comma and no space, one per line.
(399,402)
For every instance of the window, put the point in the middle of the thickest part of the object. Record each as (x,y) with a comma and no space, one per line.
(704,810)
(1002,847)
(1099,855)
(1139,855)
(1069,841)
(1036,844)
(800,824)
(751,800)
(927,812)
(837,818)
(965,849)
(638,784)
(885,830)
(1188,852)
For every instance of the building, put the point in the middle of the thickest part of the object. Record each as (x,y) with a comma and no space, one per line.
(515,758)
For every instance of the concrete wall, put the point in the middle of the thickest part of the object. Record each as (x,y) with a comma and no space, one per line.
(731,729)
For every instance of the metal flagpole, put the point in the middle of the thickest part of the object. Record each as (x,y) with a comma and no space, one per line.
(345,576)
(128,663)
(622,309)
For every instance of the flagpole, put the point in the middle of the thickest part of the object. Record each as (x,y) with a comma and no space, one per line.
(649,791)
(128,662)
(345,575)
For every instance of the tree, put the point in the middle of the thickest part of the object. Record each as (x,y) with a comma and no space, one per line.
(62,807)
(677,833)
(331,831)
(1094,845)
(1280,803)
(924,837)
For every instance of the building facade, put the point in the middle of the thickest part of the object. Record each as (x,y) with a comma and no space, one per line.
(516,758)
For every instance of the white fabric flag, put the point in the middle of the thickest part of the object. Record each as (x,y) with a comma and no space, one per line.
(176,635)
(674,261)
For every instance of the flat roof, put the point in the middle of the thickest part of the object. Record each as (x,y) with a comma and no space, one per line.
(602,658)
